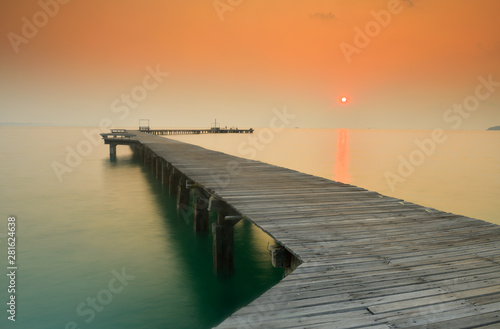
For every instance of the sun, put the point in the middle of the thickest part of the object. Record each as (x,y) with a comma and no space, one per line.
(343,99)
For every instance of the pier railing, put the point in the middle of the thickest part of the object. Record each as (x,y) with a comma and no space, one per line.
(117,135)
(199,131)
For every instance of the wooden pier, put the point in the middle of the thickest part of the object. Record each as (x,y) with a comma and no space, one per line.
(359,259)
(118,137)
(198,131)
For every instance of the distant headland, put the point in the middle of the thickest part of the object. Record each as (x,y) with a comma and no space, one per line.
(494,128)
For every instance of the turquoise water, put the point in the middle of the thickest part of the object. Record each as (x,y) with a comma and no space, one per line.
(109,220)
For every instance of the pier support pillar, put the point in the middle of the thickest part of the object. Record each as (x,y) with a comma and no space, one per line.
(150,158)
(112,150)
(147,157)
(182,194)
(153,163)
(282,258)
(158,168)
(223,232)
(173,180)
(201,218)
(164,173)
(223,245)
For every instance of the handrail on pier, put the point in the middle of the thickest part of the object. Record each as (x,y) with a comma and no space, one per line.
(117,135)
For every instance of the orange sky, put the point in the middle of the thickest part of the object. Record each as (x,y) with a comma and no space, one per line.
(262,55)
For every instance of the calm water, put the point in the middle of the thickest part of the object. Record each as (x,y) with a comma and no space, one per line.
(75,237)
(111,216)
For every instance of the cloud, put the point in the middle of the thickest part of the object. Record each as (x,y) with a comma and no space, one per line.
(410,3)
(323,16)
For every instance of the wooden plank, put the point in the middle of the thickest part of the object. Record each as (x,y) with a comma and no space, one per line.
(461,322)
(457,295)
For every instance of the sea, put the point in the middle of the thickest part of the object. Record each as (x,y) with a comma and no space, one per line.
(99,243)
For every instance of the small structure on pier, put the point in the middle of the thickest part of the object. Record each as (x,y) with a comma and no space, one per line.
(144,125)
(118,137)
(214,126)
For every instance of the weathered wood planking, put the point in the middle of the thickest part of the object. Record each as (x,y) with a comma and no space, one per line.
(369,261)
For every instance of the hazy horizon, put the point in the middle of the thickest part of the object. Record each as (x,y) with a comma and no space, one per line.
(411,64)
(32,124)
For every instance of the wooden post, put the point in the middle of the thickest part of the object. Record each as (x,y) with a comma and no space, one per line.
(173,180)
(112,150)
(282,258)
(201,213)
(150,158)
(147,157)
(158,168)
(153,163)
(223,232)
(164,175)
(223,246)
(182,194)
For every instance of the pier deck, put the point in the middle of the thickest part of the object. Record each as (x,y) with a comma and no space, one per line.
(368,260)
(199,131)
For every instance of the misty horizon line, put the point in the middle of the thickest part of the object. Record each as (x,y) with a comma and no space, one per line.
(44,124)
